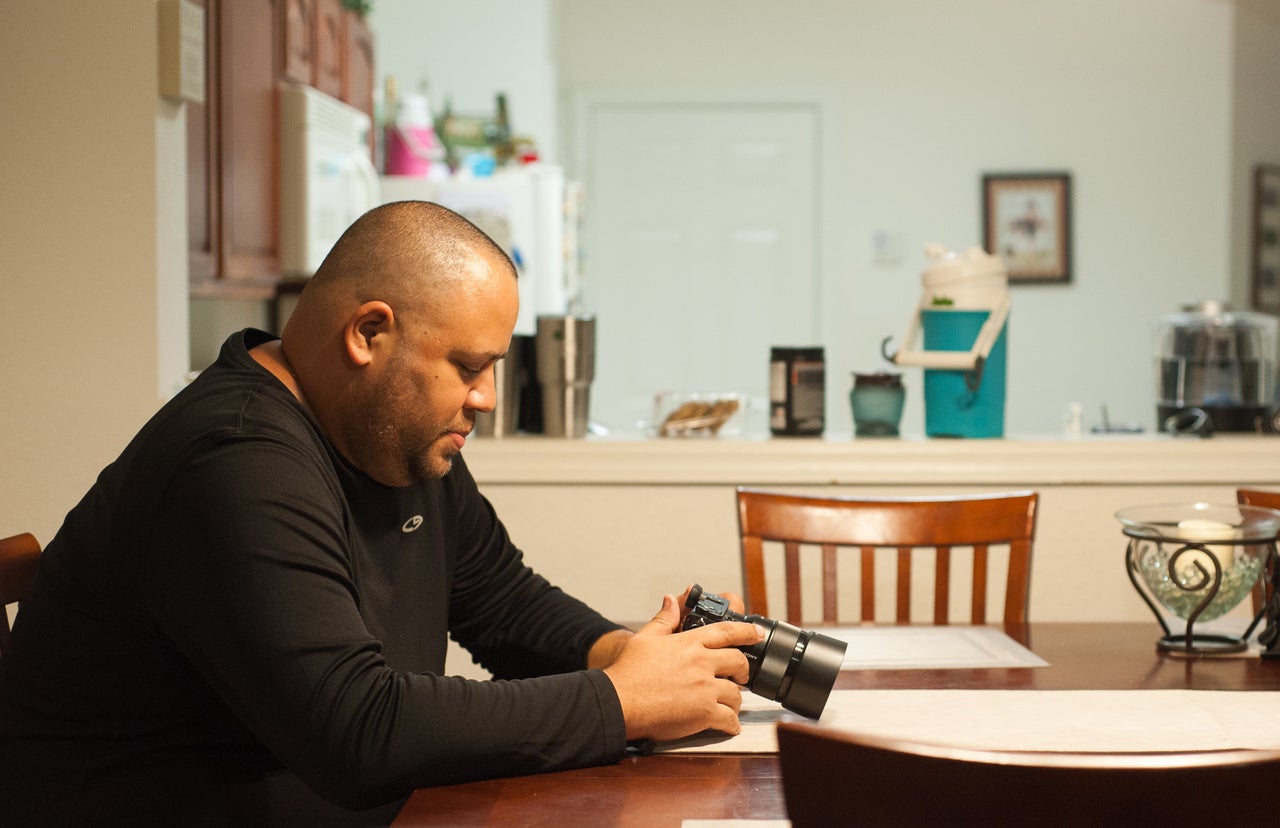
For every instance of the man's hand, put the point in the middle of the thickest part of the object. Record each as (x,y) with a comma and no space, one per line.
(676,685)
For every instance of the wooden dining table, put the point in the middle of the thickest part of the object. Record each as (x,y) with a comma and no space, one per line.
(666,789)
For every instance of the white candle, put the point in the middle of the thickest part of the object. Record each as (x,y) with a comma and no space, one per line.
(1202,529)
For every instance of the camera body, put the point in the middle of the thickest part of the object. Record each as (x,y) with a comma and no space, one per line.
(792,666)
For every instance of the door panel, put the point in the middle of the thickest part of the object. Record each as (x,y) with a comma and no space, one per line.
(700,248)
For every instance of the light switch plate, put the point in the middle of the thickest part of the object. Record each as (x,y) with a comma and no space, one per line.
(181,31)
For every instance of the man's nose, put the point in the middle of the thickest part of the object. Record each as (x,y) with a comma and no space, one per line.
(483,395)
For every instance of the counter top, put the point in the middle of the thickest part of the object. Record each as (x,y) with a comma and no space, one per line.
(1031,461)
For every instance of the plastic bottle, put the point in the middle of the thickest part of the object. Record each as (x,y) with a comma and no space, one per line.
(410,137)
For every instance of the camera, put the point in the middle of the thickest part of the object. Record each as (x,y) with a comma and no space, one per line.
(793,666)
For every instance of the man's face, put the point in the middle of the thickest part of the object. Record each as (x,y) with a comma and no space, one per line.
(423,403)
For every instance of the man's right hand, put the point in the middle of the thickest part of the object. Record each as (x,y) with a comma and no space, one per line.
(672,686)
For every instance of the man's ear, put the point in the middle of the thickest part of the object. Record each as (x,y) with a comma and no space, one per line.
(369,329)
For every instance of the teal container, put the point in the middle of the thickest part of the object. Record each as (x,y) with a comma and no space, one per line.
(959,403)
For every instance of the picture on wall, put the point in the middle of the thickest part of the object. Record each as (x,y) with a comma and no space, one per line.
(1026,220)
(1266,245)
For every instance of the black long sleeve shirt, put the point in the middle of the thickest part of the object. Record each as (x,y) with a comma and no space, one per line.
(232,607)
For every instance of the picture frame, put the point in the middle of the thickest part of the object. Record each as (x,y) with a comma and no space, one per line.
(1026,220)
(1266,238)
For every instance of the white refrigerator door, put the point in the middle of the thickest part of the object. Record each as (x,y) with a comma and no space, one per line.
(523,211)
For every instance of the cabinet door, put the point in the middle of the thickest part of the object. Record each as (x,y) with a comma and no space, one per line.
(357,81)
(202,154)
(329,67)
(298,45)
(248,66)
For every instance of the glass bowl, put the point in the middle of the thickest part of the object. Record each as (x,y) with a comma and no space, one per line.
(1178,547)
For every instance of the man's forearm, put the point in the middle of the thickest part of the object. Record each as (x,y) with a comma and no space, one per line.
(606,649)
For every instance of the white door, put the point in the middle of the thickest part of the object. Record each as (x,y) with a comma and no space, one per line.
(700,248)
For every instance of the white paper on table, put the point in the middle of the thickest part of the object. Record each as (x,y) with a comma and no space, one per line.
(1060,720)
(928,647)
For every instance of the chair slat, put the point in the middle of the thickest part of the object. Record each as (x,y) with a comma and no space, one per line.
(757,597)
(942,585)
(830,582)
(979,600)
(795,613)
(868,576)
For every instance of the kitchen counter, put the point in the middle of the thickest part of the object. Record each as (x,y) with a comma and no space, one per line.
(1030,461)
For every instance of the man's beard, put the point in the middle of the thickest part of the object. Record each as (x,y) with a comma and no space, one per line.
(412,452)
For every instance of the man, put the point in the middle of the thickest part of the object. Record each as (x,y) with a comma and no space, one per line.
(251,604)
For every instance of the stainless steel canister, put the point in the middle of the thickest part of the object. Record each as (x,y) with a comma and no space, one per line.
(508,382)
(566,354)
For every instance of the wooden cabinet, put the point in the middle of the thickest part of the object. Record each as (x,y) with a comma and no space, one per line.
(357,80)
(202,184)
(248,133)
(233,160)
(299,21)
(329,37)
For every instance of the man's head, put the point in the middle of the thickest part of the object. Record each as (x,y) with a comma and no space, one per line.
(394,340)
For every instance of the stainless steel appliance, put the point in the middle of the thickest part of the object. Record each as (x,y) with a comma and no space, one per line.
(1216,370)
(566,365)
(510,381)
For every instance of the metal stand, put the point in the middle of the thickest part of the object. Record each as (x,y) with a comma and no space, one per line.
(1189,642)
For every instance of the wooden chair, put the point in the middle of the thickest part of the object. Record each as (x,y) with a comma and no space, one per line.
(832,777)
(19,556)
(1269,500)
(827,524)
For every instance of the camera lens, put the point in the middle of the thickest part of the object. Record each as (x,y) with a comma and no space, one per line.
(795,667)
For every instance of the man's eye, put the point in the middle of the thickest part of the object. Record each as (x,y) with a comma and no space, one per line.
(469,372)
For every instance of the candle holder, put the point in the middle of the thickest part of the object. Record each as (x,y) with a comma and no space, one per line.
(1198,561)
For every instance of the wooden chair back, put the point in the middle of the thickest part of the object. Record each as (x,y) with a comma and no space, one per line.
(1269,500)
(861,525)
(832,777)
(19,557)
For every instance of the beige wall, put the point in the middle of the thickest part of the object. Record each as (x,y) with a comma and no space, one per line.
(92,252)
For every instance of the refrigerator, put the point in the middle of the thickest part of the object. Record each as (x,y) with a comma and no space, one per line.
(533,212)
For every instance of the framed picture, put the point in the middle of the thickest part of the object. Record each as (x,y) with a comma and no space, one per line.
(1026,220)
(1266,246)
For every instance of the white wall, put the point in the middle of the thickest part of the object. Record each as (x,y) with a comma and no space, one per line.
(93,251)
(921,98)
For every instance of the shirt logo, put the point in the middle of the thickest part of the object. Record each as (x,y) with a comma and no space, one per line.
(412,524)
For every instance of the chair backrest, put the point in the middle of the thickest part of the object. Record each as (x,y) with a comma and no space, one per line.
(19,557)
(832,777)
(1269,500)
(862,525)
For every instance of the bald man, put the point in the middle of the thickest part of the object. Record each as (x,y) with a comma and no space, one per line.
(246,617)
